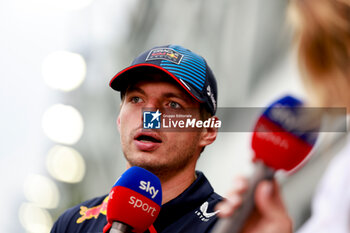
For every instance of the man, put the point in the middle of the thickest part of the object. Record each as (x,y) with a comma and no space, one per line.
(168,79)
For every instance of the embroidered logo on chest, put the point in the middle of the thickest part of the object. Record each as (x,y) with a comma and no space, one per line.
(203,214)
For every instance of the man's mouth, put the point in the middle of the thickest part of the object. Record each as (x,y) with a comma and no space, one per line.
(147,138)
(147,141)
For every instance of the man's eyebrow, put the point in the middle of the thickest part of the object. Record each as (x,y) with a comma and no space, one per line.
(172,94)
(137,89)
(166,95)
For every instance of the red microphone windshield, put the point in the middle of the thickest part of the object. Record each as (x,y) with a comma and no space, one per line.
(135,200)
(281,139)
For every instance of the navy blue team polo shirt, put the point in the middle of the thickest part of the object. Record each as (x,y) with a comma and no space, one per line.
(192,211)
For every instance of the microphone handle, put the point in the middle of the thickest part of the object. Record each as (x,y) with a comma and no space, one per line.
(235,223)
(118,227)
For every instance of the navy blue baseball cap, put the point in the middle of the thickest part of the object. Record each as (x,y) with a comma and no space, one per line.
(188,69)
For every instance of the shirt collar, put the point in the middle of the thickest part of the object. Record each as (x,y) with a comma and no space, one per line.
(197,193)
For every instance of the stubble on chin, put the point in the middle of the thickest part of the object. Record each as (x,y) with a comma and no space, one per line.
(163,169)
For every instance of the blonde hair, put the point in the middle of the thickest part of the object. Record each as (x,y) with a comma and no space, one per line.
(322,36)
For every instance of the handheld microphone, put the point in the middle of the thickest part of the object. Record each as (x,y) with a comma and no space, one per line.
(134,202)
(282,139)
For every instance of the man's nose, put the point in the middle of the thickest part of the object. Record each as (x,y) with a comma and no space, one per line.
(153,104)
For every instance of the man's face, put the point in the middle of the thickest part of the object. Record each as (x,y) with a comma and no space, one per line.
(157,151)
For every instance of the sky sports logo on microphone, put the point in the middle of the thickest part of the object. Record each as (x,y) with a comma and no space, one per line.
(135,199)
(141,203)
(146,186)
(173,120)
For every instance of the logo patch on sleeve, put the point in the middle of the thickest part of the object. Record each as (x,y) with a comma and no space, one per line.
(165,54)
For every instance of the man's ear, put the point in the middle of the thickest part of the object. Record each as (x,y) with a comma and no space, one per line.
(118,123)
(208,135)
(120,108)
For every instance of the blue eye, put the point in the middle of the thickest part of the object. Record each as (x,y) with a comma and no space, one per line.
(173,104)
(135,99)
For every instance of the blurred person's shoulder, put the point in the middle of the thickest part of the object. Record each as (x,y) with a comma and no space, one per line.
(87,217)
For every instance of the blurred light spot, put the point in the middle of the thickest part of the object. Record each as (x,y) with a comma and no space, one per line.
(63,124)
(64,70)
(69,5)
(52,6)
(65,164)
(35,219)
(41,191)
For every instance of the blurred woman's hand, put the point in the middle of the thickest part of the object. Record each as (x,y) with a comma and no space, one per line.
(269,215)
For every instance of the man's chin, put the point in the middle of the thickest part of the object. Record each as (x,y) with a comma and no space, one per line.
(145,160)
(155,169)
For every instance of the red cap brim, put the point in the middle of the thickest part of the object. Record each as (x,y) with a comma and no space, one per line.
(115,81)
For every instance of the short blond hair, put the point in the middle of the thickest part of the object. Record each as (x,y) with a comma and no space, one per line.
(322,36)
